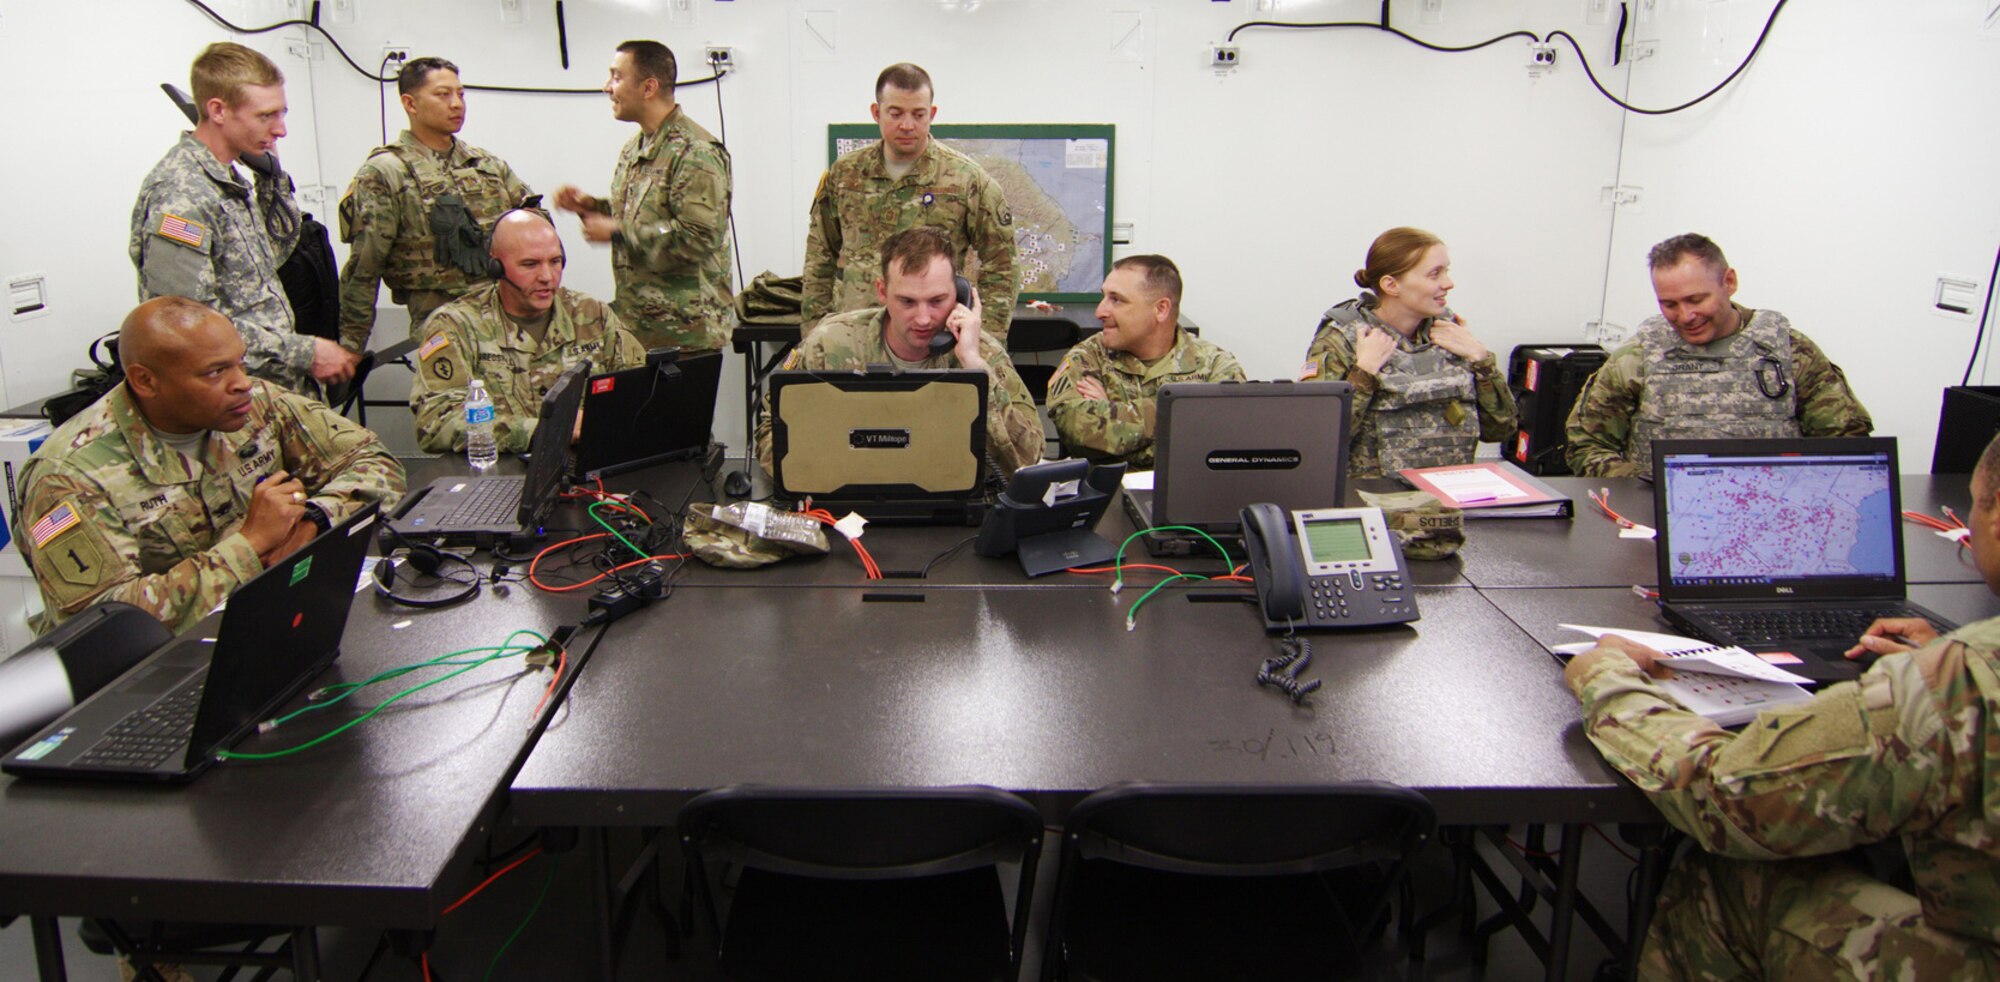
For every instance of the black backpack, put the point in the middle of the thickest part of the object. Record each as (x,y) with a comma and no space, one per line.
(312,281)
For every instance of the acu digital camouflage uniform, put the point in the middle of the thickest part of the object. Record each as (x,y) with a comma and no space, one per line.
(852,341)
(1657,386)
(1427,407)
(1119,427)
(472,337)
(129,518)
(1906,752)
(858,207)
(200,231)
(390,218)
(670,195)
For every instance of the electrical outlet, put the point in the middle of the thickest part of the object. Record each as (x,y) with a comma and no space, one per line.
(1223,57)
(722,58)
(1541,58)
(1596,12)
(391,58)
(1433,11)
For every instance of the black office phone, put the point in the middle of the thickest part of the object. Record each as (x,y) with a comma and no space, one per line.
(944,341)
(1327,568)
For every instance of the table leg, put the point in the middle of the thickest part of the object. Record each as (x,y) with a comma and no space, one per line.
(600,899)
(1563,915)
(1655,850)
(305,954)
(48,949)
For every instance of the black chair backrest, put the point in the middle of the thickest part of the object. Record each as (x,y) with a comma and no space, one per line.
(1043,334)
(1237,830)
(861,833)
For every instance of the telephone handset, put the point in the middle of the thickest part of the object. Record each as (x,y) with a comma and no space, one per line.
(944,341)
(1327,568)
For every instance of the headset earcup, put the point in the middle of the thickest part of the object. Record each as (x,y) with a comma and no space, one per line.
(426,559)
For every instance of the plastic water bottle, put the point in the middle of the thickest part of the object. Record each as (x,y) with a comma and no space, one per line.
(480,450)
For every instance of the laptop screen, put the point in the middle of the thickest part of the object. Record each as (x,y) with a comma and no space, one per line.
(548,449)
(1778,518)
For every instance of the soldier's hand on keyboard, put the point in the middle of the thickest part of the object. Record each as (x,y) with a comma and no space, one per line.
(1889,635)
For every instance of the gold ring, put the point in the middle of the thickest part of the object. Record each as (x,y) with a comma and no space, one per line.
(299,497)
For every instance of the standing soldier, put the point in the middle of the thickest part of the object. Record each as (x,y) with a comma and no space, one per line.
(904,180)
(202,230)
(668,215)
(418,211)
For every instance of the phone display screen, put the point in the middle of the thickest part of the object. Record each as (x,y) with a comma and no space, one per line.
(1337,540)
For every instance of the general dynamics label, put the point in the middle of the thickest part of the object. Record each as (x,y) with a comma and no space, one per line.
(1253,460)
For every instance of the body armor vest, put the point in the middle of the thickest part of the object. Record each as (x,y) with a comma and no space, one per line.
(1740,388)
(1409,422)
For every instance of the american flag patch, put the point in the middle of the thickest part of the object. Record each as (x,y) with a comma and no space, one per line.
(181,230)
(430,347)
(53,524)
(1309,371)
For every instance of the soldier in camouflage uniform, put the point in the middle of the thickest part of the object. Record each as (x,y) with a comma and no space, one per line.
(517,335)
(1707,367)
(668,215)
(919,299)
(1905,753)
(906,180)
(1102,396)
(1426,392)
(417,212)
(201,229)
(189,478)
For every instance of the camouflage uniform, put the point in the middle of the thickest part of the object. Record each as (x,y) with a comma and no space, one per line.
(1426,408)
(120,515)
(199,231)
(670,195)
(1659,386)
(1119,427)
(852,341)
(385,218)
(517,369)
(1906,752)
(858,207)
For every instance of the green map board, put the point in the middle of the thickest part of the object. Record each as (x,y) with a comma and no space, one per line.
(1057,180)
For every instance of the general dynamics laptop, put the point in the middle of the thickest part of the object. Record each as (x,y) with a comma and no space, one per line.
(900,447)
(1224,445)
(1788,548)
(644,416)
(165,719)
(479,511)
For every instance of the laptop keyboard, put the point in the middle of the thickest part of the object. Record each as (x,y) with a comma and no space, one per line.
(1762,626)
(492,501)
(150,737)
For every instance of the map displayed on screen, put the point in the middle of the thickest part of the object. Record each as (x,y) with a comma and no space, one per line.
(1057,181)
(1774,520)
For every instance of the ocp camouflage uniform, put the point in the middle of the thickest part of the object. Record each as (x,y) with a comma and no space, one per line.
(118,514)
(852,341)
(1906,752)
(858,207)
(1119,427)
(670,195)
(1657,386)
(200,231)
(472,337)
(387,216)
(1427,407)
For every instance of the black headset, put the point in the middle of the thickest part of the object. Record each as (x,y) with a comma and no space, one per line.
(497,270)
(428,560)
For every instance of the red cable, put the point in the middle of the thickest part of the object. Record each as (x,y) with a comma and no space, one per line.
(532,563)
(483,884)
(562,662)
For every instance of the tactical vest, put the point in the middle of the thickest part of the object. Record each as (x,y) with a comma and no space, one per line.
(1409,420)
(1744,390)
(414,262)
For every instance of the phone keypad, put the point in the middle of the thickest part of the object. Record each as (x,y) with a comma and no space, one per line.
(1371,597)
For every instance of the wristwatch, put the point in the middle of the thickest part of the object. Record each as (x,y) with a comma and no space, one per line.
(318,516)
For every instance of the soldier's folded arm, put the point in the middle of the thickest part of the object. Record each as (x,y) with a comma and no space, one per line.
(92,557)
(1090,424)
(693,221)
(1599,428)
(342,464)
(1827,404)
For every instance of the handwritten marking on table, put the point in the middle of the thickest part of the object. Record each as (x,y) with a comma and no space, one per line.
(1272,745)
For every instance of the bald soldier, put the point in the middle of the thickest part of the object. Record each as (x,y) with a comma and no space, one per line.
(1102,396)
(190,477)
(517,334)
(1905,754)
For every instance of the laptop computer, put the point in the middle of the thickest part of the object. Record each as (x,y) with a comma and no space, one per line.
(897,447)
(479,511)
(1788,548)
(1223,445)
(164,720)
(662,411)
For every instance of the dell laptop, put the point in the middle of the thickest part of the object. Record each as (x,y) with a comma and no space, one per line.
(1788,548)
(643,416)
(482,510)
(894,446)
(1221,446)
(164,720)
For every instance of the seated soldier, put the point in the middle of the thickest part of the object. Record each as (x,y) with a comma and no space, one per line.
(1706,367)
(1101,397)
(918,295)
(517,335)
(188,478)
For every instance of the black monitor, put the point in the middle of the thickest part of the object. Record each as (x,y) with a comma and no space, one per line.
(1967,423)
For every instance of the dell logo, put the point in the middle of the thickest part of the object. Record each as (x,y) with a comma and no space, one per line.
(1785,590)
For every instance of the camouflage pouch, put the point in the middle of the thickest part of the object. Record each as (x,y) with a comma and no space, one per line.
(1425,527)
(461,243)
(749,534)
